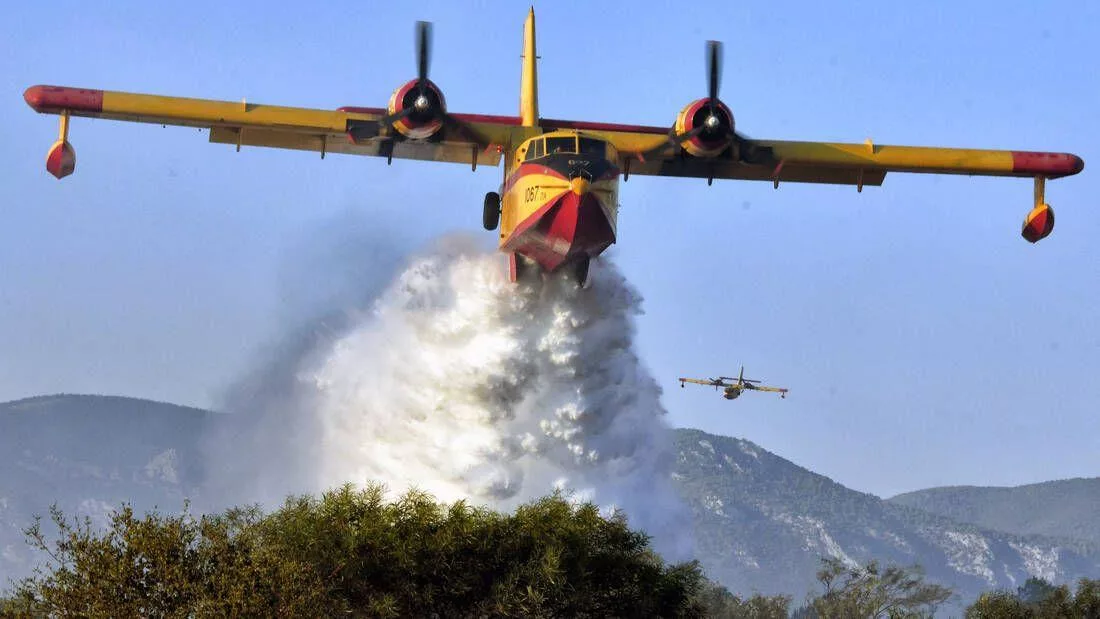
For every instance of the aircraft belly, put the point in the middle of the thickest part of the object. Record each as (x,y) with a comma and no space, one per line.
(566,227)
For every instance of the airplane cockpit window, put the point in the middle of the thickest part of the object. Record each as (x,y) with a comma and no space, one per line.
(561,145)
(534,150)
(591,147)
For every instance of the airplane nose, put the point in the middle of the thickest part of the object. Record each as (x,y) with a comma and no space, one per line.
(579,185)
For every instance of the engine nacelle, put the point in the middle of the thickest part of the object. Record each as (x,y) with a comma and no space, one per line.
(426,117)
(714,138)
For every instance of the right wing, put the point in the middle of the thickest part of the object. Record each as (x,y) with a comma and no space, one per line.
(709,383)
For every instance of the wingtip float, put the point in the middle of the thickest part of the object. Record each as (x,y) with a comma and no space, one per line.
(543,223)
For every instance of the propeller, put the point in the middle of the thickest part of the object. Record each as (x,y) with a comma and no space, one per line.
(422,104)
(712,122)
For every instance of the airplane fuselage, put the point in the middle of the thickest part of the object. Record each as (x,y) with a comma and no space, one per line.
(559,201)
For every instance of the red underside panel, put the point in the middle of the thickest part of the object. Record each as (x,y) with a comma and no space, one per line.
(567,228)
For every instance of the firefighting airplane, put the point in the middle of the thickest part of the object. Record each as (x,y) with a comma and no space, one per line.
(557,207)
(733,390)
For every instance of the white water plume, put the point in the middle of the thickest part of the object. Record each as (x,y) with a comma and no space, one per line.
(459,383)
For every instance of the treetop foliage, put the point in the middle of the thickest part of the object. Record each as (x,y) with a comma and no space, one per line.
(353,553)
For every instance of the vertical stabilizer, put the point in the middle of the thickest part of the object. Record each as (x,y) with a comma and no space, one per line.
(741,376)
(529,81)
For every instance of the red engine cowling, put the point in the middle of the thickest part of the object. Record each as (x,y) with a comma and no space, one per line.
(426,117)
(712,140)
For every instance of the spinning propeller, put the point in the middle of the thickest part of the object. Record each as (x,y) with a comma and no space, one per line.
(428,105)
(422,105)
(714,124)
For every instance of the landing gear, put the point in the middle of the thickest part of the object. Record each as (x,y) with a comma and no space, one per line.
(490,217)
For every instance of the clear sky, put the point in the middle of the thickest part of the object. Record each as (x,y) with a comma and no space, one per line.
(924,342)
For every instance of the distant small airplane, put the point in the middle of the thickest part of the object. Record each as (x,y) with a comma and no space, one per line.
(733,390)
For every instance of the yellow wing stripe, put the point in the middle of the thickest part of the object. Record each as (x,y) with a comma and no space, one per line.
(893,158)
(207,113)
(185,111)
(830,162)
(255,124)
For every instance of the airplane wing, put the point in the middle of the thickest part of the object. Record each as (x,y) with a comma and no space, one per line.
(463,138)
(476,139)
(778,390)
(651,151)
(709,383)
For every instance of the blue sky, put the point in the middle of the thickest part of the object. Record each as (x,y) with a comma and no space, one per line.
(924,341)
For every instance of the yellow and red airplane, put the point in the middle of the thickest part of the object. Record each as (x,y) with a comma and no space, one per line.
(731,391)
(557,207)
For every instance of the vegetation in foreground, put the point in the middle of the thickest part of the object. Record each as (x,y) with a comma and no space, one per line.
(354,553)
(351,552)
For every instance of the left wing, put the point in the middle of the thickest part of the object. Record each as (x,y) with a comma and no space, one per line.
(772,389)
(464,138)
(679,152)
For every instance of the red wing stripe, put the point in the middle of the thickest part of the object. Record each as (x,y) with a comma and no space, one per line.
(1050,165)
(550,123)
(57,98)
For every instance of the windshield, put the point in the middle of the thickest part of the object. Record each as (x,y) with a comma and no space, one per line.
(561,145)
(592,147)
(534,150)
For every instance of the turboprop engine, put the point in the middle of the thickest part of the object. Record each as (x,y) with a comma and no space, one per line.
(705,128)
(417,109)
(709,123)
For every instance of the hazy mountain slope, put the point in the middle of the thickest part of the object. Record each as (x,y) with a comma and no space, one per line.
(1064,508)
(762,522)
(90,454)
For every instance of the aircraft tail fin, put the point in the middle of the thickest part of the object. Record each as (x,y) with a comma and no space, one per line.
(741,376)
(529,82)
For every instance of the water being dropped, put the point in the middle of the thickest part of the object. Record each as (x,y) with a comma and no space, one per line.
(459,383)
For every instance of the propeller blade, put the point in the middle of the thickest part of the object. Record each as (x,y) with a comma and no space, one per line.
(673,140)
(714,70)
(714,67)
(389,119)
(423,52)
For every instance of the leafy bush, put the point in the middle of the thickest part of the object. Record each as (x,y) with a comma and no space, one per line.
(353,553)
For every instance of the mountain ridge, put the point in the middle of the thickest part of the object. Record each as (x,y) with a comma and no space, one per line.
(1059,508)
(761,522)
